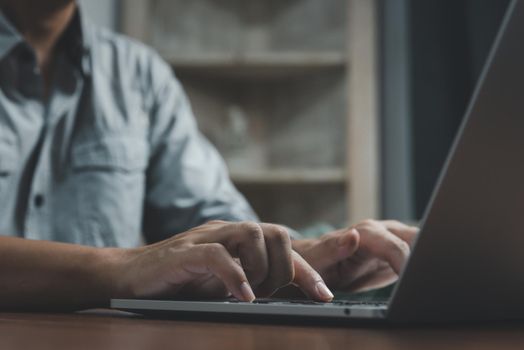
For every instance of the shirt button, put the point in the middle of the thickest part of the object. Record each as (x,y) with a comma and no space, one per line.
(39,200)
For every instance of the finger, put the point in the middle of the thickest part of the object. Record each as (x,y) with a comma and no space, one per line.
(214,258)
(247,239)
(207,287)
(309,281)
(244,240)
(405,232)
(334,247)
(350,270)
(386,246)
(379,279)
(217,222)
(280,262)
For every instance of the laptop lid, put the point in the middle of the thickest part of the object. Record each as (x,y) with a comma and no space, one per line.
(468,261)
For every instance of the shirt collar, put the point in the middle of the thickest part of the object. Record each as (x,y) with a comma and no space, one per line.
(75,41)
(9,36)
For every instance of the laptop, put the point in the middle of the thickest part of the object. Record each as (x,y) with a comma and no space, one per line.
(468,261)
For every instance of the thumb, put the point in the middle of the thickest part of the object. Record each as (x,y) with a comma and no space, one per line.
(334,247)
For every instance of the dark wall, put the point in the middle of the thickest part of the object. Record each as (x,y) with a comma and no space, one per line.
(449,41)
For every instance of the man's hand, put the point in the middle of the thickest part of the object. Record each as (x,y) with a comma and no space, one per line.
(217,259)
(367,255)
(213,260)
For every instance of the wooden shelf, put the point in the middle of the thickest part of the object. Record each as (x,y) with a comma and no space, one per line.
(290,176)
(259,65)
(275,73)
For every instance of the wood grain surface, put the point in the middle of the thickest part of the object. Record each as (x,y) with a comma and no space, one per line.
(114,330)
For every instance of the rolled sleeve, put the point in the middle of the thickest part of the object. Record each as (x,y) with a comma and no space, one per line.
(187,181)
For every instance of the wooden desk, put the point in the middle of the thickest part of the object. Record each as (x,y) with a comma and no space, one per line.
(118,331)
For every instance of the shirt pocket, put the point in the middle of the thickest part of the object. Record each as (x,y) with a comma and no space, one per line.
(109,178)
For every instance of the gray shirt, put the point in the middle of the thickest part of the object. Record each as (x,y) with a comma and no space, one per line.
(112,153)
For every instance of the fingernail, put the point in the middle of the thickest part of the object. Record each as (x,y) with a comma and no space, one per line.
(247,292)
(324,291)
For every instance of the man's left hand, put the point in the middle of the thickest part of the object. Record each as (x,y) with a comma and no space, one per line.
(365,256)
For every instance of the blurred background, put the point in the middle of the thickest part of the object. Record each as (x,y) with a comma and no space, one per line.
(326,111)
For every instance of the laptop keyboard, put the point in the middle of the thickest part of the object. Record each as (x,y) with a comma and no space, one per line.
(377,303)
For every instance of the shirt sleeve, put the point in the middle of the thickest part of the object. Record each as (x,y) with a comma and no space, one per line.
(187,181)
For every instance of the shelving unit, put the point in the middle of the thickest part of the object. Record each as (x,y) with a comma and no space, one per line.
(257,66)
(304,60)
(290,176)
(271,86)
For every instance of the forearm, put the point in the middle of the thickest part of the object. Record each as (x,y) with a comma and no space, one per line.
(49,275)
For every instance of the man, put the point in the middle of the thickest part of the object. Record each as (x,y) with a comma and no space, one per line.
(98,145)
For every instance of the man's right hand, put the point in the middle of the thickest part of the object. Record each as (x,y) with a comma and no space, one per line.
(217,259)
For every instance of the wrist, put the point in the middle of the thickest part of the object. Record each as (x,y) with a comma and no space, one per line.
(109,267)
